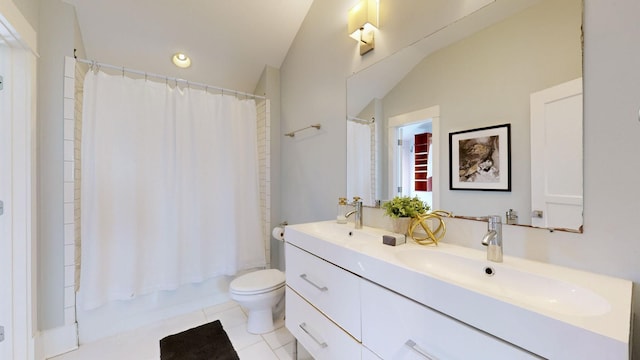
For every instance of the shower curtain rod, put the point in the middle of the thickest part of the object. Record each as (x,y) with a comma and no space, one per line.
(167,78)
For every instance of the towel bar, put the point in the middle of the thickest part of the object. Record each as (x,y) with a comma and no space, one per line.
(293,133)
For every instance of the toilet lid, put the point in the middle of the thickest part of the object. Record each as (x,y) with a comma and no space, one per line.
(258,281)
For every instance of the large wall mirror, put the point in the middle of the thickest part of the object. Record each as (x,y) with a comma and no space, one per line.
(516,62)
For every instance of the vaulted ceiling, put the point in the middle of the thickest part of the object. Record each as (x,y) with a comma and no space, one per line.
(230,41)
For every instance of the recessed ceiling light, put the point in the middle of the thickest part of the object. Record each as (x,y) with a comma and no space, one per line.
(181,60)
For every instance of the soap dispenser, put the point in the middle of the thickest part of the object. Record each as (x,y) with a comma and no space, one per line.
(512,217)
(342,211)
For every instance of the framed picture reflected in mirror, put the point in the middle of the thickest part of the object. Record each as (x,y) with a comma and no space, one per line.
(480,159)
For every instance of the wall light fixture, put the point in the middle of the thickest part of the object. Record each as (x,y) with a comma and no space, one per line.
(363,21)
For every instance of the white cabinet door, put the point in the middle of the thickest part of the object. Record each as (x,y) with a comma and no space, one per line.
(394,327)
(556,156)
(6,259)
(368,354)
(322,338)
(333,290)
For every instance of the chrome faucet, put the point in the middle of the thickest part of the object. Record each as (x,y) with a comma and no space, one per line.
(357,204)
(493,238)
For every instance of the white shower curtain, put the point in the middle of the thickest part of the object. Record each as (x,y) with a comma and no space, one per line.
(169,192)
(359,162)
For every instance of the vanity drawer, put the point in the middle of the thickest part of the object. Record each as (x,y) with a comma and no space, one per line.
(368,355)
(320,337)
(332,290)
(395,327)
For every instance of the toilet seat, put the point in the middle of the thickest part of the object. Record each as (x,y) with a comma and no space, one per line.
(258,282)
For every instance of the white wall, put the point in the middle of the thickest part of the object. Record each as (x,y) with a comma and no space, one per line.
(57,38)
(29,9)
(611,130)
(313,166)
(313,79)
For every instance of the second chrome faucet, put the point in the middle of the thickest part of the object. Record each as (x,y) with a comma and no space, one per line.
(493,238)
(357,204)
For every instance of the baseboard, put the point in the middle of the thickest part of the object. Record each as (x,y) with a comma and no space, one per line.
(59,340)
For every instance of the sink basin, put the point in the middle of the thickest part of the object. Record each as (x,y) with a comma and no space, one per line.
(344,234)
(505,282)
(327,230)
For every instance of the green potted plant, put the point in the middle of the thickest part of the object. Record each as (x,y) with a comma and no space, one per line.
(401,209)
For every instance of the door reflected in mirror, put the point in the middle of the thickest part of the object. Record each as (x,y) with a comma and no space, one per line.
(412,155)
(481,79)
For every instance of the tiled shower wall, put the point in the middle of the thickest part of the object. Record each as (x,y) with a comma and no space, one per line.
(70,192)
(264,157)
(73,80)
(374,153)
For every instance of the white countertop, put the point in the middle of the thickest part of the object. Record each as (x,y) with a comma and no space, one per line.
(562,326)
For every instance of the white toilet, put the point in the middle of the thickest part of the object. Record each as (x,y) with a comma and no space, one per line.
(259,292)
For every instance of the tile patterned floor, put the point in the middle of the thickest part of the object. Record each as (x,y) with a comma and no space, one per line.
(143,343)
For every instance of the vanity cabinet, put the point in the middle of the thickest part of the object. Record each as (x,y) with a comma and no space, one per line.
(416,302)
(338,315)
(332,290)
(368,355)
(319,335)
(323,306)
(395,327)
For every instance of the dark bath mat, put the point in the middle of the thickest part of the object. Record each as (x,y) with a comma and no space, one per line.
(205,342)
